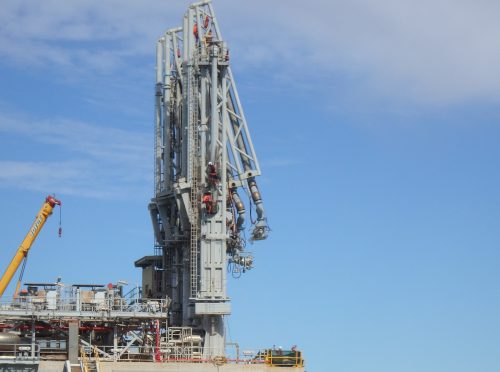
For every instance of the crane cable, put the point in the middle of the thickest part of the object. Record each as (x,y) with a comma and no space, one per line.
(60,221)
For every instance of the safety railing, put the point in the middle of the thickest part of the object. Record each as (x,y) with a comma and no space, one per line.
(84,360)
(29,304)
(97,358)
(19,352)
(124,353)
(196,354)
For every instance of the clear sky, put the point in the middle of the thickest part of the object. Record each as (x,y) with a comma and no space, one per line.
(377,126)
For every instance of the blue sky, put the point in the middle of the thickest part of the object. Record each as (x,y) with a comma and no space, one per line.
(377,128)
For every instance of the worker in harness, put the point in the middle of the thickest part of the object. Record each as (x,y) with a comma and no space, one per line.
(209,203)
(213,177)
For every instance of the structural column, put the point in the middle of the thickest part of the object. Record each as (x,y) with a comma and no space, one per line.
(73,340)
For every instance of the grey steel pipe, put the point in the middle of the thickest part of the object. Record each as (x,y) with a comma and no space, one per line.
(203,126)
(254,191)
(223,150)
(186,91)
(158,116)
(240,208)
(167,168)
(213,106)
(159,60)
(261,229)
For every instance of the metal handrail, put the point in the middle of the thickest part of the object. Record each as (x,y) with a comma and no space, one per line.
(117,304)
(17,352)
(96,357)
(194,354)
(84,359)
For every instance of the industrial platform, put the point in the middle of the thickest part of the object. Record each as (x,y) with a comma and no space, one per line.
(204,159)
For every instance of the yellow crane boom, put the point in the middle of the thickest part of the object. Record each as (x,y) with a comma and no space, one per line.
(22,251)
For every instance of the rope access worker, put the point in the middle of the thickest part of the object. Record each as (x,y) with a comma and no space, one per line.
(213,178)
(209,202)
(208,38)
(195,31)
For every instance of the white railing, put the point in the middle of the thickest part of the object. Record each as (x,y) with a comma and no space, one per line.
(114,304)
(19,352)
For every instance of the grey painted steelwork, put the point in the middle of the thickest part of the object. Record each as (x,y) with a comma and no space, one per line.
(76,308)
(203,155)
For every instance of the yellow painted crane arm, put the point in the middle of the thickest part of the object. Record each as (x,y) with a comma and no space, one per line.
(22,251)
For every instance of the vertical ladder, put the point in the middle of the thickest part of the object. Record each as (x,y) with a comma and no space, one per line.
(195,196)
